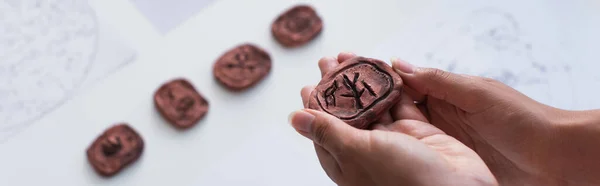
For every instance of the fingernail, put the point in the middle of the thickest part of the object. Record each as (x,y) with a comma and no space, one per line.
(302,121)
(403,66)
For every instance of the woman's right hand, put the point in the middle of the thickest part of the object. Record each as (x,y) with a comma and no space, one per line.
(521,140)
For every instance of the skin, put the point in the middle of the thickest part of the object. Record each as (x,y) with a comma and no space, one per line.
(521,140)
(403,148)
(431,136)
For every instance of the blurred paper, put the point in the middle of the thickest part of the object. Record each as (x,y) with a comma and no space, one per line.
(49,51)
(533,46)
(168,14)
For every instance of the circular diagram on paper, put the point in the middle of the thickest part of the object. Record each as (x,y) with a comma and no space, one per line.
(46,50)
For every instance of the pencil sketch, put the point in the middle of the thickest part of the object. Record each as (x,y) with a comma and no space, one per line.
(47,51)
(492,45)
(488,42)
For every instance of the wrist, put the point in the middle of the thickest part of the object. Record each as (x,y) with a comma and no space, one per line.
(573,149)
(572,120)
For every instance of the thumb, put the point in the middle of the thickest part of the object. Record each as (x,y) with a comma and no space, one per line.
(465,92)
(325,130)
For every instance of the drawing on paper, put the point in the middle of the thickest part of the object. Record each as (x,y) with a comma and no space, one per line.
(487,42)
(47,51)
(491,45)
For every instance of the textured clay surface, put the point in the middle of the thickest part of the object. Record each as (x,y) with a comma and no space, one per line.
(115,149)
(359,91)
(180,104)
(297,26)
(242,67)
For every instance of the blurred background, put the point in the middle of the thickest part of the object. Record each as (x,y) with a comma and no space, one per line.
(69,69)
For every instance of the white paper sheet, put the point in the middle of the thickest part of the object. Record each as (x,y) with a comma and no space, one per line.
(50,50)
(168,14)
(536,47)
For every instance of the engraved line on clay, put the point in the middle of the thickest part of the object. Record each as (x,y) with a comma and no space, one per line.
(184,105)
(355,93)
(368,87)
(329,94)
(385,95)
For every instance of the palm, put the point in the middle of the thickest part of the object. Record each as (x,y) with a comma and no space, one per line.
(504,158)
(401,119)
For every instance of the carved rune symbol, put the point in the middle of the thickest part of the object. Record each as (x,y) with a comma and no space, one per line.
(355,93)
(184,105)
(181,105)
(240,60)
(329,94)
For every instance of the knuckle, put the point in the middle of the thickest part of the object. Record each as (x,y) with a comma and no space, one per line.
(488,80)
(436,78)
(436,75)
(321,133)
(481,85)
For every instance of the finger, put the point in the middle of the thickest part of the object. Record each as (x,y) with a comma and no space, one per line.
(327,64)
(385,119)
(305,94)
(327,131)
(446,118)
(414,128)
(424,111)
(407,109)
(328,163)
(414,95)
(456,153)
(345,56)
(462,91)
(379,126)
(420,146)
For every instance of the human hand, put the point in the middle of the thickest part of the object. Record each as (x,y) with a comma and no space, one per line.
(403,149)
(521,140)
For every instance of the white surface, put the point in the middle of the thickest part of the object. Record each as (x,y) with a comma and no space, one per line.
(166,15)
(535,47)
(245,138)
(49,51)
